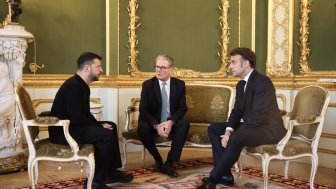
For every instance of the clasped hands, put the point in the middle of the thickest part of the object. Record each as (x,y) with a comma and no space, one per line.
(163,129)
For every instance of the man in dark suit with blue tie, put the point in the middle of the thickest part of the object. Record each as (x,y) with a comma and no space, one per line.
(256,105)
(162,107)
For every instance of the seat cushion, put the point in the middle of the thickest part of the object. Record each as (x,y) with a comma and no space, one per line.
(293,147)
(198,134)
(46,148)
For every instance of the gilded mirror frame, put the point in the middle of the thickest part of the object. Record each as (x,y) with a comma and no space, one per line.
(304,70)
(178,72)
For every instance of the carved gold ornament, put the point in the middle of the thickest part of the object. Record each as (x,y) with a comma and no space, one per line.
(305,9)
(280,39)
(178,72)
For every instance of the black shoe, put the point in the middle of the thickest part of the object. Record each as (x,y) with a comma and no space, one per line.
(119,176)
(169,170)
(225,180)
(158,166)
(96,185)
(207,184)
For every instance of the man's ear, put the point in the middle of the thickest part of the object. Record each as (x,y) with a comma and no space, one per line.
(87,68)
(247,63)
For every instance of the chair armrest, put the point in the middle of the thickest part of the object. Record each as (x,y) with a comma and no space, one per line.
(128,112)
(302,120)
(132,108)
(46,120)
(60,123)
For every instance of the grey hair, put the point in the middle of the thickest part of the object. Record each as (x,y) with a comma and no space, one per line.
(165,57)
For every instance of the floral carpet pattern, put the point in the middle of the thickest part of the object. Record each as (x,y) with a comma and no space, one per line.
(191,172)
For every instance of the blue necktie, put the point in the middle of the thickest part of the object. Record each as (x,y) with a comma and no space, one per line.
(164,107)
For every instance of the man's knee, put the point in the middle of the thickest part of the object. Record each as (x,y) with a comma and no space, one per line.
(144,128)
(235,140)
(212,128)
(183,123)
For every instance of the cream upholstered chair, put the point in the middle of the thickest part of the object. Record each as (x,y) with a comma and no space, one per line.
(206,104)
(304,128)
(44,150)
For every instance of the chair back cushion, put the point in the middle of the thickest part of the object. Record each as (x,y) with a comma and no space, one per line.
(207,104)
(27,110)
(309,103)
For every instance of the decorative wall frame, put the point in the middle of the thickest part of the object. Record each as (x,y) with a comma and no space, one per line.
(178,72)
(305,9)
(280,38)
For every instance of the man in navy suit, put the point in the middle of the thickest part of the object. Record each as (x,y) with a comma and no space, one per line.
(162,107)
(256,105)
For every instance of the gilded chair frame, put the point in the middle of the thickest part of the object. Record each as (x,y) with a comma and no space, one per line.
(280,151)
(38,149)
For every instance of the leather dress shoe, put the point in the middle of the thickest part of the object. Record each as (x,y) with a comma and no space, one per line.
(225,180)
(169,170)
(118,176)
(207,184)
(158,166)
(96,185)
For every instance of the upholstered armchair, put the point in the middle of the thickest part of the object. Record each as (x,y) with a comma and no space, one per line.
(304,128)
(206,104)
(44,150)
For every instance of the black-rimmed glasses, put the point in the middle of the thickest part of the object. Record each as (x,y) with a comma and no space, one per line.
(161,67)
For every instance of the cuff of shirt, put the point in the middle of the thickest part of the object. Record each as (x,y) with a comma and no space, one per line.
(229,128)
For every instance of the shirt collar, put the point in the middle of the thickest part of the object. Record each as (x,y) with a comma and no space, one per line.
(167,82)
(246,78)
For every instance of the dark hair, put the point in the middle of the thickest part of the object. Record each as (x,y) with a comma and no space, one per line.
(246,53)
(86,58)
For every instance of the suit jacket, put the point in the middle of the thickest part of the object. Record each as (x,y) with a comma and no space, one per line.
(72,102)
(150,102)
(257,106)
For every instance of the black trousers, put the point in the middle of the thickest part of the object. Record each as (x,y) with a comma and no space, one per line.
(178,134)
(225,158)
(106,147)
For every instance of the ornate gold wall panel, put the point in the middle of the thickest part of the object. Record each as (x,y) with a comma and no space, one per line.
(280,38)
(178,72)
(305,9)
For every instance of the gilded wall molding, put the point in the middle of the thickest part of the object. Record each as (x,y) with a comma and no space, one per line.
(280,38)
(304,34)
(178,72)
(305,9)
(126,81)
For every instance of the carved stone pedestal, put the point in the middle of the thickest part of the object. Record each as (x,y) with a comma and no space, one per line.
(13,45)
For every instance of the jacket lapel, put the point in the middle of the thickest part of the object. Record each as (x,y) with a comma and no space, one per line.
(172,95)
(157,91)
(249,83)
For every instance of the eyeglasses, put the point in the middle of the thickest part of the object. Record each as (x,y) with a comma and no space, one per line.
(161,67)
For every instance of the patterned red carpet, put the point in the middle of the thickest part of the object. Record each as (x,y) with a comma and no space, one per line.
(191,172)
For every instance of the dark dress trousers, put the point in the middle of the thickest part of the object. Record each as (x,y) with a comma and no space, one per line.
(72,101)
(262,123)
(150,114)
